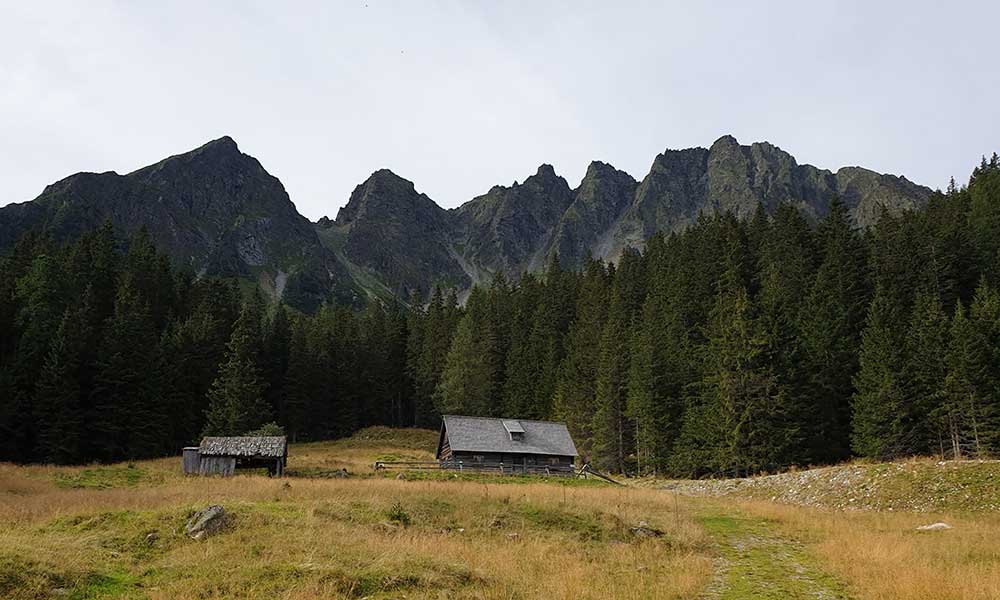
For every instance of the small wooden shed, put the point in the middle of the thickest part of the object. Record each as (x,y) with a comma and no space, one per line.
(223,455)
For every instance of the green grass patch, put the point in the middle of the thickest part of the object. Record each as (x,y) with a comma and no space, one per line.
(116,584)
(762,565)
(381,436)
(137,536)
(107,477)
(354,512)
(488,478)
(26,579)
(588,527)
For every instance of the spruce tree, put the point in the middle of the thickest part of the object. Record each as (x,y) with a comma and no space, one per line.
(466,383)
(127,415)
(829,324)
(659,374)
(523,357)
(274,359)
(297,391)
(985,318)
(961,412)
(439,327)
(236,402)
(738,425)
(880,394)
(58,395)
(576,391)
(925,369)
(611,441)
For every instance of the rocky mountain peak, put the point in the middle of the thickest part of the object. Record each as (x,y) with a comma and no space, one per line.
(726,141)
(596,169)
(546,171)
(218,211)
(546,185)
(384,192)
(222,144)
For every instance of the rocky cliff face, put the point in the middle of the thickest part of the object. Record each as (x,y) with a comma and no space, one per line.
(218,211)
(213,209)
(391,234)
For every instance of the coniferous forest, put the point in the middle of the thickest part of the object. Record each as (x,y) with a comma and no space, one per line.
(734,347)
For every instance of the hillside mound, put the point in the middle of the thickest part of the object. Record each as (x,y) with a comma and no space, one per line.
(913,485)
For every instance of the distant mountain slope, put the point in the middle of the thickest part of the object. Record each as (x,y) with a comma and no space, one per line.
(218,211)
(213,209)
(399,236)
(518,228)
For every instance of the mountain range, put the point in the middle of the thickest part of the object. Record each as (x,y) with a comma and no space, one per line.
(217,211)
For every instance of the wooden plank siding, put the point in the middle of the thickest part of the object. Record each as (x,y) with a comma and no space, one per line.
(445,449)
(191,460)
(509,463)
(217,465)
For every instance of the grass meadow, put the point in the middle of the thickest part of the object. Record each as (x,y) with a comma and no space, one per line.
(116,531)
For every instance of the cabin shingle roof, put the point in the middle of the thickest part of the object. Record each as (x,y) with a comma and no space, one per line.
(485,434)
(266,446)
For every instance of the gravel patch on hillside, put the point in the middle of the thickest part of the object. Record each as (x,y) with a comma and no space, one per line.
(917,486)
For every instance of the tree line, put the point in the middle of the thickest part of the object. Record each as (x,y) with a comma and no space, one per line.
(108,352)
(733,347)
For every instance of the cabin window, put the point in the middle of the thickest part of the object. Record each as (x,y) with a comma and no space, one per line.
(553,460)
(477,458)
(517,436)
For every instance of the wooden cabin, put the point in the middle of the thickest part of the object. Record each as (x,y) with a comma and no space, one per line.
(223,455)
(505,445)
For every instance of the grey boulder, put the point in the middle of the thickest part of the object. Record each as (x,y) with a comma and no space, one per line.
(206,522)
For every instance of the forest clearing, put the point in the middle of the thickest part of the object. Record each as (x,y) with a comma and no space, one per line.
(117,531)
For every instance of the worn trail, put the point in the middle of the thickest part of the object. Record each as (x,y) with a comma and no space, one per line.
(756,561)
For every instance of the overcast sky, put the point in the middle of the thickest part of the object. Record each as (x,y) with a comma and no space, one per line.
(459,96)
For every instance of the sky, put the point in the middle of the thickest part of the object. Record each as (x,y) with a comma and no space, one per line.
(460,96)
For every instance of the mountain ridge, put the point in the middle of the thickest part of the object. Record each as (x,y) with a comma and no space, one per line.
(218,211)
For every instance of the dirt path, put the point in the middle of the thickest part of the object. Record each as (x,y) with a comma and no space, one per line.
(756,561)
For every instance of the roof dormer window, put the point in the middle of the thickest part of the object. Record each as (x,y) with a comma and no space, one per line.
(515,429)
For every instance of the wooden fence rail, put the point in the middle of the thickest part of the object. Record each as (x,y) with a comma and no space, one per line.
(481,467)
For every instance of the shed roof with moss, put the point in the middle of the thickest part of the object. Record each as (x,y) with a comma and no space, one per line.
(261,446)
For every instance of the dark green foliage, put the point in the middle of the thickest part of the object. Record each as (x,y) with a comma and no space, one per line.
(610,428)
(236,402)
(267,429)
(58,394)
(127,415)
(879,395)
(829,327)
(729,348)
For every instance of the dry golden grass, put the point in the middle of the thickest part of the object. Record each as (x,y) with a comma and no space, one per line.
(882,556)
(61,533)
(84,532)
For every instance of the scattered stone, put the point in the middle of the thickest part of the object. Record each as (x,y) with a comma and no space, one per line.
(643,530)
(206,522)
(934,527)
(461,530)
(401,476)
(497,522)
(512,536)
(151,537)
(341,474)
